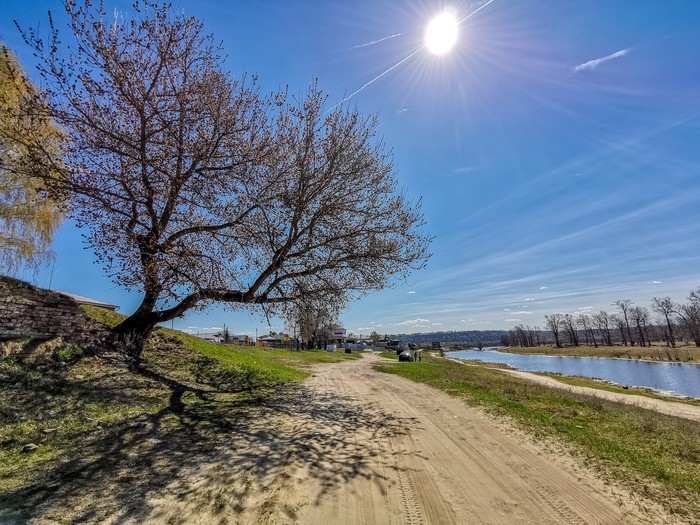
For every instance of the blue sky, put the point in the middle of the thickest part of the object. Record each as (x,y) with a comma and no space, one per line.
(556,148)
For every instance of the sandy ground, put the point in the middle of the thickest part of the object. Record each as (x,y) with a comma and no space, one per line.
(362,447)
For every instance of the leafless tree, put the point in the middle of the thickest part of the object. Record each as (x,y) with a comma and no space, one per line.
(312,319)
(195,188)
(585,322)
(553,323)
(568,323)
(689,314)
(665,308)
(625,305)
(619,322)
(639,315)
(602,321)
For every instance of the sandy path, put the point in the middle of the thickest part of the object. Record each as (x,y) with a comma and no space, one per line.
(453,465)
(362,447)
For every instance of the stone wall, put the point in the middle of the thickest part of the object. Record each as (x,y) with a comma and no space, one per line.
(35,313)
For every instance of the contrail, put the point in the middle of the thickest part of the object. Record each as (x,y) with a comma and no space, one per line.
(476,11)
(375,79)
(400,61)
(376,41)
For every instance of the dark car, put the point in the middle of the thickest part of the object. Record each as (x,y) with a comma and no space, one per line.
(406,356)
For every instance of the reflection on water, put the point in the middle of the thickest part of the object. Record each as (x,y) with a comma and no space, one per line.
(677,378)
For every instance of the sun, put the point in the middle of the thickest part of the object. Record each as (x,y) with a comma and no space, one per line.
(441,33)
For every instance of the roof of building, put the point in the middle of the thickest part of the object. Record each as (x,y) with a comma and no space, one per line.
(86,300)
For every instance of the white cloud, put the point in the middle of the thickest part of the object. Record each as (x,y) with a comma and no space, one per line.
(466,169)
(585,309)
(506,309)
(522,312)
(655,282)
(415,322)
(411,291)
(514,320)
(543,287)
(438,324)
(593,64)
(527,299)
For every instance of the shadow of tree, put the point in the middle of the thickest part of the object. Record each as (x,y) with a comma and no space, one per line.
(206,454)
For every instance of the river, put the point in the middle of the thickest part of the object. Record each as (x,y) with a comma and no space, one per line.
(679,379)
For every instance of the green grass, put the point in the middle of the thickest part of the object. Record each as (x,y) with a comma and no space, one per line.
(652,453)
(76,407)
(609,387)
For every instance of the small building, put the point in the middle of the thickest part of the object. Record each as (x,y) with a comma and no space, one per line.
(339,333)
(87,301)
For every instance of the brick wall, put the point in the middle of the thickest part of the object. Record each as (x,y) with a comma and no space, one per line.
(30,312)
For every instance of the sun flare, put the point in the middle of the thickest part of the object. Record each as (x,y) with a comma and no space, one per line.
(441,33)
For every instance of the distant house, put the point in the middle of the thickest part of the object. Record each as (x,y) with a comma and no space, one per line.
(339,333)
(86,300)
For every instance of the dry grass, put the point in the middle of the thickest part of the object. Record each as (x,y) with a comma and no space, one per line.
(658,352)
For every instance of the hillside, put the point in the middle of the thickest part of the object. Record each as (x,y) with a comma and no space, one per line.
(74,423)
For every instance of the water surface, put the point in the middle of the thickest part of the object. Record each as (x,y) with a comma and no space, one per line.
(680,379)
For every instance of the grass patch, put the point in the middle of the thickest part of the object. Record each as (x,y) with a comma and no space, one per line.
(681,354)
(611,387)
(649,452)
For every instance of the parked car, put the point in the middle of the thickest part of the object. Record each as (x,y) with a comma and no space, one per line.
(406,356)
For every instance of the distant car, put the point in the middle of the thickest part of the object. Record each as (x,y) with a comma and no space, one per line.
(406,356)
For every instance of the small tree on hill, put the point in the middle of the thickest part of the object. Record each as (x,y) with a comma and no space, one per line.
(195,188)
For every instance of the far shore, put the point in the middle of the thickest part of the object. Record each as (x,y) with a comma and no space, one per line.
(656,352)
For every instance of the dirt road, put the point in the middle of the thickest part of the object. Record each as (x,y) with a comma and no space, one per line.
(356,446)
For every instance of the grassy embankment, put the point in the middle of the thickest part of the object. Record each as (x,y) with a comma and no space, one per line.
(650,453)
(617,389)
(83,412)
(683,354)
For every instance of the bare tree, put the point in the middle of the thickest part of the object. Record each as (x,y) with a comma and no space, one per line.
(640,317)
(666,309)
(603,321)
(619,322)
(553,322)
(625,305)
(689,314)
(585,322)
(568,323)
(197,189)
(312,319)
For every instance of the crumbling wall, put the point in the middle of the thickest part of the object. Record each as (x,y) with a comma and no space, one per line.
(30,312)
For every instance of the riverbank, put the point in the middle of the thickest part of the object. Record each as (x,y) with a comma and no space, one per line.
(680,354)
(647,452)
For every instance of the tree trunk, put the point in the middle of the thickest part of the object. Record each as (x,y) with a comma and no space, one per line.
(129,337)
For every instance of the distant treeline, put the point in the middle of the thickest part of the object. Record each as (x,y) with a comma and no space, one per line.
(665,320)
(464,336)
